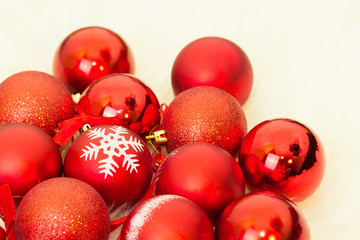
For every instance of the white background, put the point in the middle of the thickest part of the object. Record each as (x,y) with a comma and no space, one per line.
(305,57)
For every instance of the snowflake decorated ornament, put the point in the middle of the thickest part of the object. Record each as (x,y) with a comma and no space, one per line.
(112,159)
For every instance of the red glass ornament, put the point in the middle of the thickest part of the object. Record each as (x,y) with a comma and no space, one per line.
(203,173)
(166,217)
(262,216)
(216,62)
(89,54)
(36,98)
(283,156)
(112,159)
(62,208)
(204,114)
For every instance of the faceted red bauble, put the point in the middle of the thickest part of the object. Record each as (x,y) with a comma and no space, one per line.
(36,98)
(283,156)
(166,217)
(203,173)
(262,216)
(204,114)
(89,54)
(62,208)
(112,159)
(27,156)
(213,61)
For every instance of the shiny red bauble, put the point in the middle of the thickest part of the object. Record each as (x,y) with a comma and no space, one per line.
(166,217)
(62,208)
(112,159)
(36,98)
(262,216)
(283,156)
(204,114)
(213,61)
(28,156)
(89,54)
(203,173)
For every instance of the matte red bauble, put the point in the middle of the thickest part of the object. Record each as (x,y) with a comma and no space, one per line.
(204,114)
(27,156)
(112,159)
(36,98)
(213,61)
(283,156)
(203,173)
(62,208)
(89,54)
(262,216)
(166,217)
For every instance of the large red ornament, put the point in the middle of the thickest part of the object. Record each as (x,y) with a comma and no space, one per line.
(112,159)
(203,173)
(89,54)
(36,98)
(62,208)
(166,217)
(283,156)
(213,61)
(262,216)
(204,114)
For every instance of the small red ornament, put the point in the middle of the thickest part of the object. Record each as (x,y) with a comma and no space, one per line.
(283,156)
(112,159)
(213,61)
(89,54)
(262,216)
(62,208)
(203,173)
(204,114)
(166,217)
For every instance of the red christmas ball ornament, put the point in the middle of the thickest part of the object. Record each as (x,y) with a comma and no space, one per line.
(89,54)
(36,98)
(203,173)
(283,156)
(216,62)
(167,217)
(204,114)
(112,159)
(262,216)
(62,208)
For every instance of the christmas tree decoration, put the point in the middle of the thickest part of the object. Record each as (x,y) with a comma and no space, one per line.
(62,208)
(204,114)
(203,173)
(112,159)
(7,213)
(167,217)
(216,62)
(89,54)
(36,98)
(284,156)
(260,216)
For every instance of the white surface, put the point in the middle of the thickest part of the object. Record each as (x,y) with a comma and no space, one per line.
(305,58)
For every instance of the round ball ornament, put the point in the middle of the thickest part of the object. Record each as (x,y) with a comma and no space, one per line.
(213,61)
(284,156)
(89,54)
(62,208)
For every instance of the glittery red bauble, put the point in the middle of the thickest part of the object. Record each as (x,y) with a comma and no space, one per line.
(62,208)
(213,61)
(283,156)
(204,114)
(166,217)
(112,159)
(89,54)
(203,173)
(262,216)
(36,98)
(27,156)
